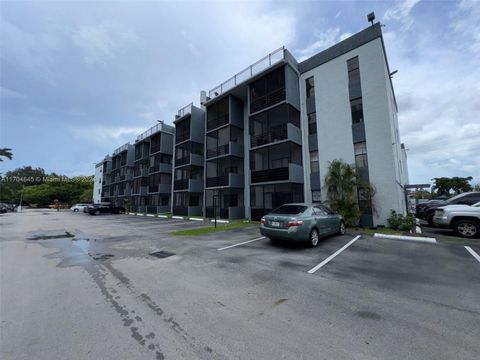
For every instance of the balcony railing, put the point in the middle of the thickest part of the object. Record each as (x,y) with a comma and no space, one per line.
(262,64)
(180,210)
(181,184)
(221,150)
(292,172)
(154,129)
(267,100)
(277,134)
(221,212)
(215,123)
(185,110)
(217,181)
(270,175)
(154,149)
(121,148)
(142,155)
(142,172)
(182,136)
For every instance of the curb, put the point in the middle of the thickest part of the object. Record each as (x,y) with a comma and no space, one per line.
(407,238)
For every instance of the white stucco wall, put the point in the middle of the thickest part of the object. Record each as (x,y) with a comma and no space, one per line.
(334,124)
(97,185)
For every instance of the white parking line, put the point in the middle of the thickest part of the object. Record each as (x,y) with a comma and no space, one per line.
(327,260)
(242,243)
(473,253)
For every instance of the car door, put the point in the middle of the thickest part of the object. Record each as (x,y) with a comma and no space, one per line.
(321,220)
(332,218)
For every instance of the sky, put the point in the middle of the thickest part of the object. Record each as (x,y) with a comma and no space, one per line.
(79,79)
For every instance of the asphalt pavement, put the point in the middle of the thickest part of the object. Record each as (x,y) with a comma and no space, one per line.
(75,286)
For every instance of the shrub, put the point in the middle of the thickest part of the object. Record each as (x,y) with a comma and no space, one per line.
(401,222)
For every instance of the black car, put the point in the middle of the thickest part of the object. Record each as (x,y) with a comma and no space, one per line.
(105,208)
(426,211)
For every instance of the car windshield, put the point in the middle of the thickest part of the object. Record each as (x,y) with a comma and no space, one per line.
(456,197)
(289,209)
(476,204)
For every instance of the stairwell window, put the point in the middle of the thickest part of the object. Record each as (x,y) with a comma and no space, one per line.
(310,87)
(360,149)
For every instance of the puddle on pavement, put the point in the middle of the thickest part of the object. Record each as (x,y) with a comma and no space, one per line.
(83,244)
(162,254)
(65,235)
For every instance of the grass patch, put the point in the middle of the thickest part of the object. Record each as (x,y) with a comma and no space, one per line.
(377,231)
(237,224)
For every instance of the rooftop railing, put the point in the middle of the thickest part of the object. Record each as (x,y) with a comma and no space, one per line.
(121,148)
(185,110)
(154,129)
(262,64)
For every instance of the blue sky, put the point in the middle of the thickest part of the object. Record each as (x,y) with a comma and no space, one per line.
(79,79)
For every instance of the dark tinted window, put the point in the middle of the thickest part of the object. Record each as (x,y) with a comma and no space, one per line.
(327,210)
(319,211)
(290,210)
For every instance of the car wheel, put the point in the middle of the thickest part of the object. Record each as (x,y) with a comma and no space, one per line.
(75,210)
(429,219)
(342,229)
(313,238)
(467,228)
(97,212)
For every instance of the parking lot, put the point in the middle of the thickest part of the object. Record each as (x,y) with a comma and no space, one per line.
(85,287)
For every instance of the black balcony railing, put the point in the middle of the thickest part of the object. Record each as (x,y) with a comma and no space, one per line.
(180,184)
(153,188)
(221,212)
(154,149)
(267,100)
(217,181)
(180,210)
(182,136)
(215,123)
(221,150)
(270,175)
(276,134)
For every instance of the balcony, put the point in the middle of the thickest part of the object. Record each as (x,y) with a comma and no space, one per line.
(142,156)
(162,167)
(142,172)
(231,212)
(284,132)
(232,148)
(229,180)
(180,210)
(192,159)
(262,64)
(292,173)
(142,191)
(160,188)
(192,185)
(267,100)
(154,149)
(216,123)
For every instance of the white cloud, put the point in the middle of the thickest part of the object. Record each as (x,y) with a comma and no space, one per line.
(325,39)
(102,42)
(401,12)
(106,135)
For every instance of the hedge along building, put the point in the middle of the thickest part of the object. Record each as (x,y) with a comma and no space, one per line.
(271,130)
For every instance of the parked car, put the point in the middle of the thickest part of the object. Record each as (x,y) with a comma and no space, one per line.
(464,219)
(426,211)
(3,208)
(301,222)
(79,207)
(105,208)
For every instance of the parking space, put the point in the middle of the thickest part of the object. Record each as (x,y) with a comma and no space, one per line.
(207,296)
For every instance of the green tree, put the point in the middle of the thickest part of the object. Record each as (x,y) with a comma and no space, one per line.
(6,152)
(443,185)
(341,183)
(477,187)
(12,183)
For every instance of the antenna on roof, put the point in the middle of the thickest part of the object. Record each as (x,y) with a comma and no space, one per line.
(371,17)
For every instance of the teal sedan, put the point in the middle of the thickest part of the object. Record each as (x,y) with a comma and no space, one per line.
(301,222)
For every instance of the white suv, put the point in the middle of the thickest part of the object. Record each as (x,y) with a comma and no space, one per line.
(464,219)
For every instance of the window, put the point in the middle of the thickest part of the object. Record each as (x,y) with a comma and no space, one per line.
(314,162)
(360,150)
(319,211)
(290,210)
(164,201)
(312,123)
(310,86)
(268,90)
(356,107)
(194,200)
(364,201)
(316,195)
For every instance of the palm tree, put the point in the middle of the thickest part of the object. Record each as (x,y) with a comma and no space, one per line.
(6,152)
(341,183)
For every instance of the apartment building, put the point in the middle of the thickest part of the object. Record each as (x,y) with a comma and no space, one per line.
(189,161)
(266,136)
(152,170)
(121,175)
